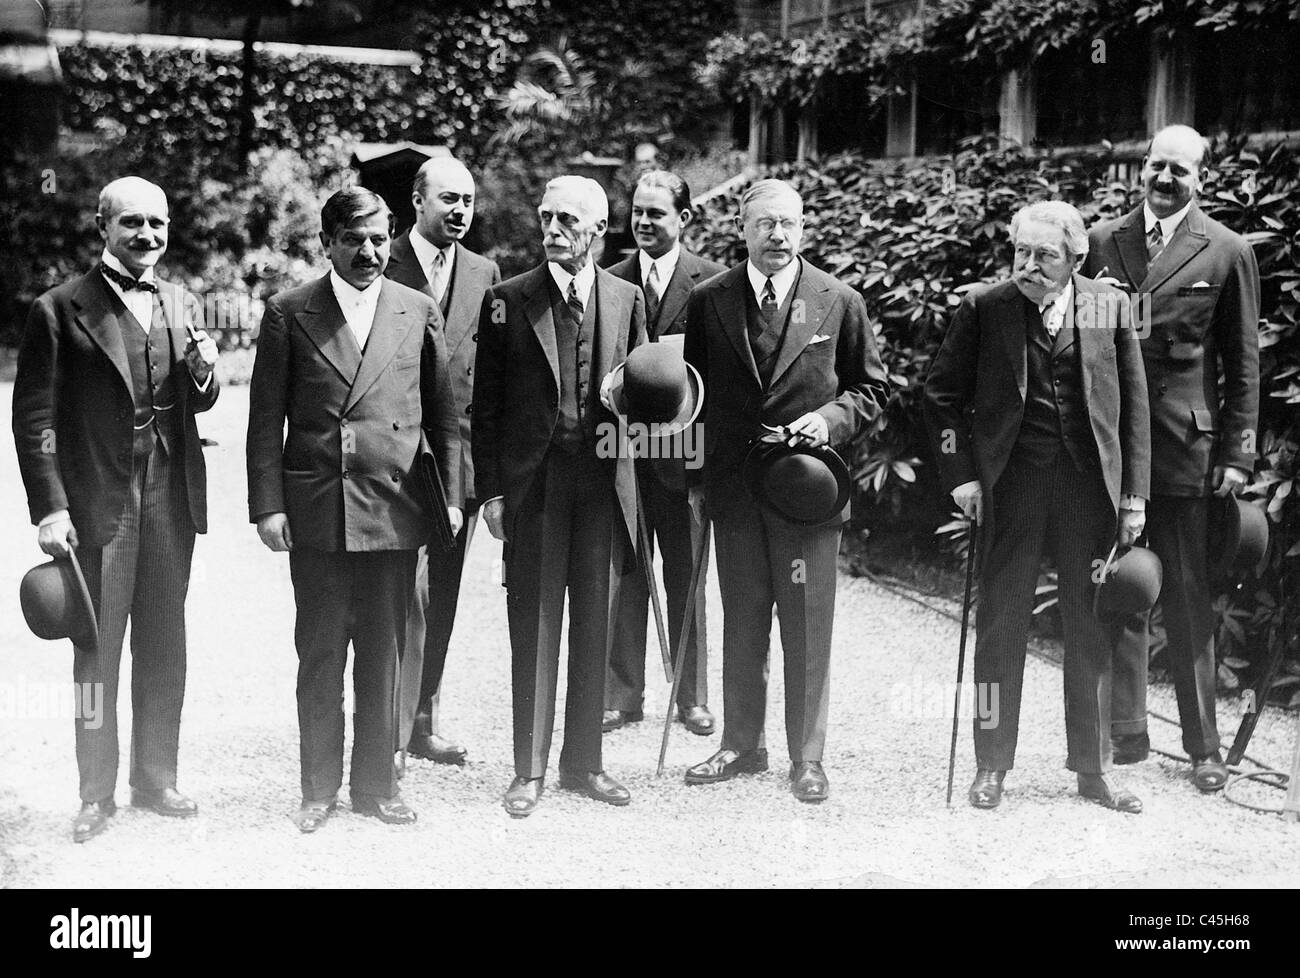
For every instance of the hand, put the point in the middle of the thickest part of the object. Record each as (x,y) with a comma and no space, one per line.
(813,425)
(200,355)
(1229,480)
(274,531)
(57,538)
(969,498)
(456,518)
(494,515)
(606,386)
(1131,524)
(695,496)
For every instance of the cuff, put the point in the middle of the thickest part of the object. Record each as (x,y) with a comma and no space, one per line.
(57,516)
(970,486)
(1134,504)
(203,387)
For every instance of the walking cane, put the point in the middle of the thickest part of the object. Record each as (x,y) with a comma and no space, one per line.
(648,564)
(972,532)
(688,620)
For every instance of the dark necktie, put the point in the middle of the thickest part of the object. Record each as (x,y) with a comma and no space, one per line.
(652,298)
(767,309)
(126,282)
(574,303)
(1155,243)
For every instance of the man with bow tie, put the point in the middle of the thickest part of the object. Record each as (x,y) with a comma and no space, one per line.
(1199,284)
(355,363)
(430,258)
(1036,406)
(112,369)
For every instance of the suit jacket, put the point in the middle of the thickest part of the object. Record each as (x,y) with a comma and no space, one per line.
(471,276)
(73,391)
(827,363)
(517,383)
(691,270)
(976,388)
(346,473)
(1204,315)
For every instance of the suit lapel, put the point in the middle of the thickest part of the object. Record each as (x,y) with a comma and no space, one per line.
(98,317)
(679,288)
(610,312)
(392,322)
(1012,323)
(537,309)
(1188,241)
(469,277)
(1131,240)
(1065,336)
(404,268)
(322,320)
(729,306)
(807,314)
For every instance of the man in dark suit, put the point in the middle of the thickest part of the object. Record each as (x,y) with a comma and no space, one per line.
(666,272)
(555,485)
(1036,404)
(356,364)
(777,342)
(430,259)
(112,369)
(1198,283)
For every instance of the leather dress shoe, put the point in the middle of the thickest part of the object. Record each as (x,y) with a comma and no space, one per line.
(1209,773)
(613,719)
(313,814)
(164,801)
(726,764)
(92,819)
(808,781)
(433,747)
(390,811)
(1095,788)
(523,795)
(698,720)
(597,785)
(1130,748)
(986,790)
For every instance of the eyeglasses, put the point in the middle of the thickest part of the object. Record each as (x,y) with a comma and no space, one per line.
(789,225)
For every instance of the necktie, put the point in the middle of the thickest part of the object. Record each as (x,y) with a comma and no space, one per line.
(652,294)
(126,282)
(766,313)
(573,302)
(1050,322)
(1155,243)
(439,279)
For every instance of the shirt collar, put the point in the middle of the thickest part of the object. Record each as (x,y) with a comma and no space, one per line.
(782,281)
(1061,303)
(111,261)
(1168,225)
(582,282)
(350,295)
(667,263)
(425,250)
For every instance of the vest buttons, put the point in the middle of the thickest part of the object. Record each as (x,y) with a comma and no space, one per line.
(469,408)
(343,423)
(347,474)
(397,476)
(396,426)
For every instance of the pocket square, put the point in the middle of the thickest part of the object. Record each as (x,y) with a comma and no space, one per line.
(818,339)
(1201,284)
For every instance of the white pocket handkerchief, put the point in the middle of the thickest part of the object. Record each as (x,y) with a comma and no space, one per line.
(818,339)
(1201,284)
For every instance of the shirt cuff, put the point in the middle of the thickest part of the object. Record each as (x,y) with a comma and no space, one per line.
(1134,504)
(55,517)
(203,387)
(490,501)
(965,487)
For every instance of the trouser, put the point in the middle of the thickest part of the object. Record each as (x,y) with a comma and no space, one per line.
(1068,513)
(765,560)
(668,518)
(362,598)
(142,573)
(1177,533)
(567,535)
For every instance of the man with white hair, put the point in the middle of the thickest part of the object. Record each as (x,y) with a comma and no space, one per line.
(567,515)
(1036,405)
(1200,283)
(113,367)
(431,258)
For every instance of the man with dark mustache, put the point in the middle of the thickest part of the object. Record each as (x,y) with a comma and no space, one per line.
(112,369)
(431,259)
(355,363)
(1200,284)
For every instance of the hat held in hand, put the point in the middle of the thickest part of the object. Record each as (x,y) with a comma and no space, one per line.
(1238,534)
(1130,584)
(805,484)
(56,603)
(655,386)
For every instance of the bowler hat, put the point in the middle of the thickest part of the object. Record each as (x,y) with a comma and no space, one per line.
(805,484)
(656,386)
(1129,584)
(56,603)
(1238,534)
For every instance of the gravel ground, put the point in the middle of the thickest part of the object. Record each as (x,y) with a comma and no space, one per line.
(885,824)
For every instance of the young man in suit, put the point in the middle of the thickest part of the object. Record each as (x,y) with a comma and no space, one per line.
(563,505)
(112,369)
(1199,284)
(431,259)
(356,364)
(666,272)
(1036,405)
(777,342)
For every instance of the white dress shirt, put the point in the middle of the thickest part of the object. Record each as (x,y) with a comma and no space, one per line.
(782,281)
(582,282)
(1168,225)
(358,305)
(426,252)
(137,301)
(664,267)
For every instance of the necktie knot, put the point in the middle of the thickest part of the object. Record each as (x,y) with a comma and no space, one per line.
(769,295)
(571,298)
(127,283)
(1155,242)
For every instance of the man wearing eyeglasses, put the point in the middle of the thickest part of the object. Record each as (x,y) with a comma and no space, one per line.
(777,342)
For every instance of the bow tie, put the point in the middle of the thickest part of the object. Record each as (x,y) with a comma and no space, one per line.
(125,282)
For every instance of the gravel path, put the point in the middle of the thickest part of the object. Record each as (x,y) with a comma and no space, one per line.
(884,825)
